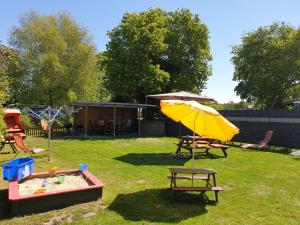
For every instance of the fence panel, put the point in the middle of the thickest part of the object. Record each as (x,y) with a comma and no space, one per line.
(37,131)
(254,123)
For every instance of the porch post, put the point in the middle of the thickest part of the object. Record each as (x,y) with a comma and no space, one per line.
(114,122)
(85,120)
(139,120)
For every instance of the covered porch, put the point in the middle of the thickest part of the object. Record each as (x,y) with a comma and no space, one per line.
(108,118)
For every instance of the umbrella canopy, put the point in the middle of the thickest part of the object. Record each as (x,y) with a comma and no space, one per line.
(201,119)
(181,95)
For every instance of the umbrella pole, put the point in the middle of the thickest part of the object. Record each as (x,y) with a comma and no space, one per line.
(193,152)
(193,157)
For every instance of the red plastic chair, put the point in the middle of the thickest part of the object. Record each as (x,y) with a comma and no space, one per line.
(263,143)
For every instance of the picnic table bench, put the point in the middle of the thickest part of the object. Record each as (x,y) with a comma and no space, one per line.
(186,142)
(188,174)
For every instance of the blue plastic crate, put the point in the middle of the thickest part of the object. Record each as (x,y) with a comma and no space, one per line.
(17,169)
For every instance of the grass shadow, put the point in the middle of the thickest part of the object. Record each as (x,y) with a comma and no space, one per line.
(158,206)
(197,155)
(155,159)
(201,155)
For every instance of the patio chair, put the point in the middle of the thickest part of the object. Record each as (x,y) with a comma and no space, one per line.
(109,127)
(19,143)
(122,127)
(95,129)
(263,143)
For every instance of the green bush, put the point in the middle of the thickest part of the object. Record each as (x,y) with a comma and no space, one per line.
(26,119)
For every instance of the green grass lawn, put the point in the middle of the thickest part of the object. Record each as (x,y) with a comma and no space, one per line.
(261,187)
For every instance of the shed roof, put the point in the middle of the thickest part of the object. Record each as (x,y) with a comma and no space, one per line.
(12,111)
(110,104)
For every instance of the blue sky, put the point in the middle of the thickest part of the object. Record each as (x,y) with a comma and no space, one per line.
(226,20)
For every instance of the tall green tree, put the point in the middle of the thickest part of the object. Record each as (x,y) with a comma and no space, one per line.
(12,72)
(156,51)
(103,94)
(59,58)
(188,54)
(267,66)
(9,65)
(232,105)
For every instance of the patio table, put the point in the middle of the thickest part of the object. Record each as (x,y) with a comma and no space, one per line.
(191,174)
(187,141)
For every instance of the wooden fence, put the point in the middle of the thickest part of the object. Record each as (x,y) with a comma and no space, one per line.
(37,131)
(253,125)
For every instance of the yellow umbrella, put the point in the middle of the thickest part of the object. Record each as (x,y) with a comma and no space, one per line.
(201,119)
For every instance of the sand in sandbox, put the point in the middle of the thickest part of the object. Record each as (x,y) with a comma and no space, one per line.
(28,187)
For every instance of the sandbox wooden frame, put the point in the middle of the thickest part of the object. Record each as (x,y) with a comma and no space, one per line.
(28,204)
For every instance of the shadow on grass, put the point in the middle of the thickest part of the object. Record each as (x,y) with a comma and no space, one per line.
(139,159)
(207,156)
(158,205)
(197,155)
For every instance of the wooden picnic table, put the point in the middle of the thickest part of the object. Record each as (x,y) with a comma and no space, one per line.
(191,174)
(201,142)
(9,140)
(187,141)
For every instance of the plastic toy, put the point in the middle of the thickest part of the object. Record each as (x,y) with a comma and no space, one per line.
(83,167)
(61,178)
(53,170)
(45,182)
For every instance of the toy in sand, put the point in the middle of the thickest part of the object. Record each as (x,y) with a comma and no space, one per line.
(53,170)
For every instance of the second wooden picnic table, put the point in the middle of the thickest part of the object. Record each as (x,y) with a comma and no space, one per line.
(191,174)
(187,141)
(201,142)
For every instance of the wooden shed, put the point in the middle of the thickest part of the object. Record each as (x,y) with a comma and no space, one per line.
(111,118)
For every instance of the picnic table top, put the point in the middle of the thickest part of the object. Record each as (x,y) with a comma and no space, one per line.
(189,137)
(192,171)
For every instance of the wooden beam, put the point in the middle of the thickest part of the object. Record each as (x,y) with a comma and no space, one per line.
(114,122)
(85,120)
(139,121)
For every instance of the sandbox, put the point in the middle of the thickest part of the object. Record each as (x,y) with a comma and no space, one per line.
(78,187)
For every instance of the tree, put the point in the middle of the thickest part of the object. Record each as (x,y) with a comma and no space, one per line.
(9,64)
(267,66)
(233,106)
(156,51)
(12,70)
(188,53)
(103,93)
(59,59)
